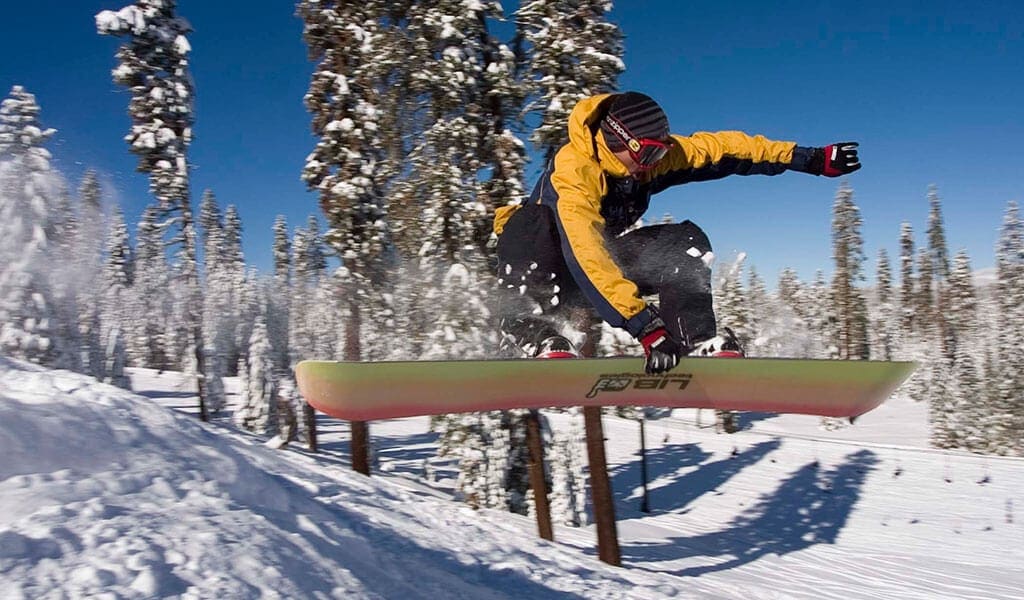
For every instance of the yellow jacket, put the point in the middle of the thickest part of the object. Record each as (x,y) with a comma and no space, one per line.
(594,197)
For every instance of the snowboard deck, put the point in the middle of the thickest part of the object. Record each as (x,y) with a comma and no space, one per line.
(368,391)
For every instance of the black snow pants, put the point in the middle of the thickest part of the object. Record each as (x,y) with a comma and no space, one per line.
(538,291)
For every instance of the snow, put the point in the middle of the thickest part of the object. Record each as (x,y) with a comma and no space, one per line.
(106,491)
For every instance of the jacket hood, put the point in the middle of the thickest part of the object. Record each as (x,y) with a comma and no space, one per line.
(584,130)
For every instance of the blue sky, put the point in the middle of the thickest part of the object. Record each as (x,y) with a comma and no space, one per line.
(933,91)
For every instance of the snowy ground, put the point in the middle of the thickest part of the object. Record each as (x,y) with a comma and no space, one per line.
(104,491)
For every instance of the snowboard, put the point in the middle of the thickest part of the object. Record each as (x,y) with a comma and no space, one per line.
(367,391)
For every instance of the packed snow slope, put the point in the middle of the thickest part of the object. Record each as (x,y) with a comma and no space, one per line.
(102,491)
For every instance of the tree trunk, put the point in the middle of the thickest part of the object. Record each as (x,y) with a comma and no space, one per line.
(360,431)
(601,489)
(537,481)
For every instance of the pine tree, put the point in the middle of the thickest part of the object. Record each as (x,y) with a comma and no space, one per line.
(350,159)
(88,261)
(460,77)
(568,477)
(279,299)
(940,269)
(258,412)
(573,52)
(937,236)
(961,318)
(759,307)
(924,298)
(908,283)
(885,325)
(1008,422)
(794,332)
(115,281)
(149,301)
(731,302)
(245,305)
(308,327)
(822,319)
(153,64)
(28,189)
(848,254)
(62,234)
(218,303)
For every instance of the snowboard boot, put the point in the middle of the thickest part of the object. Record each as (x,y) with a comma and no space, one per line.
(532,337)
(720,346)
(557,346)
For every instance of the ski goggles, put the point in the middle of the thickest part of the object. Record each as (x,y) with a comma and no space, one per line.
(645,152)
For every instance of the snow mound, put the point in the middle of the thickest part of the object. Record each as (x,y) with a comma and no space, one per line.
(102,491)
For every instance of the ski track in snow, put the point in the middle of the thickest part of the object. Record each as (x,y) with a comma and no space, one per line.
(106,492)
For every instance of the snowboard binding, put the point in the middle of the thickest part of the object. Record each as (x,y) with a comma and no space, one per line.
(557,346)
(725,345)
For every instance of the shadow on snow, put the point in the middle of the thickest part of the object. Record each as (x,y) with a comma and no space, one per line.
(810,507)
(665,462)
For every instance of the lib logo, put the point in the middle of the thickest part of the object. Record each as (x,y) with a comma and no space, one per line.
(624,381)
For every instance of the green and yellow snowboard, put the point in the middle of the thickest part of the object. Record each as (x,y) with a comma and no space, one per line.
(368,391)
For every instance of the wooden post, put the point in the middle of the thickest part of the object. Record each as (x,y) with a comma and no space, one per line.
(537,482)
(360,447)
(310,418)
(645,506)
(601,489)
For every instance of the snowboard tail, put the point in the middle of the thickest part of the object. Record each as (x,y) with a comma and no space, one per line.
(367,391)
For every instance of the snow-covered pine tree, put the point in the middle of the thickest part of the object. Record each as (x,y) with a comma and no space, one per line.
(88,261)
(935,384)
(760,310)
(153,64)
(348,167)
(245,303)
(218,302)
(467,164)
(63,240)
(1009,406)
(884,327)
(28,190)
(258,412)
(149,301)
(908,283)
(731,306)
(568,476)
(351,99)
(279,297)
(848,254)
(571,51)
(937,236)
(312,307)
(821,315)
(961,319)
(924,298)
(113,299)
(962,303)
(940,268)
(731,302)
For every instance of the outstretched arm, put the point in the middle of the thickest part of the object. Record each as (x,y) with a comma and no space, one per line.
(706,156)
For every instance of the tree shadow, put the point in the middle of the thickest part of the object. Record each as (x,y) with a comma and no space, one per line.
(809,508)
(746,420)
(684,489)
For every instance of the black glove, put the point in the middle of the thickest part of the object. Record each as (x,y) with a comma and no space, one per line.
(661,350)
(834,160)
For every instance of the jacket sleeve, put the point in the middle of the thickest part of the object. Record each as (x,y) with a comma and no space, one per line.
(578,186)
(705,156)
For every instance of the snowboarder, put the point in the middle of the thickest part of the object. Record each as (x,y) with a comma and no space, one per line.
(564,248)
